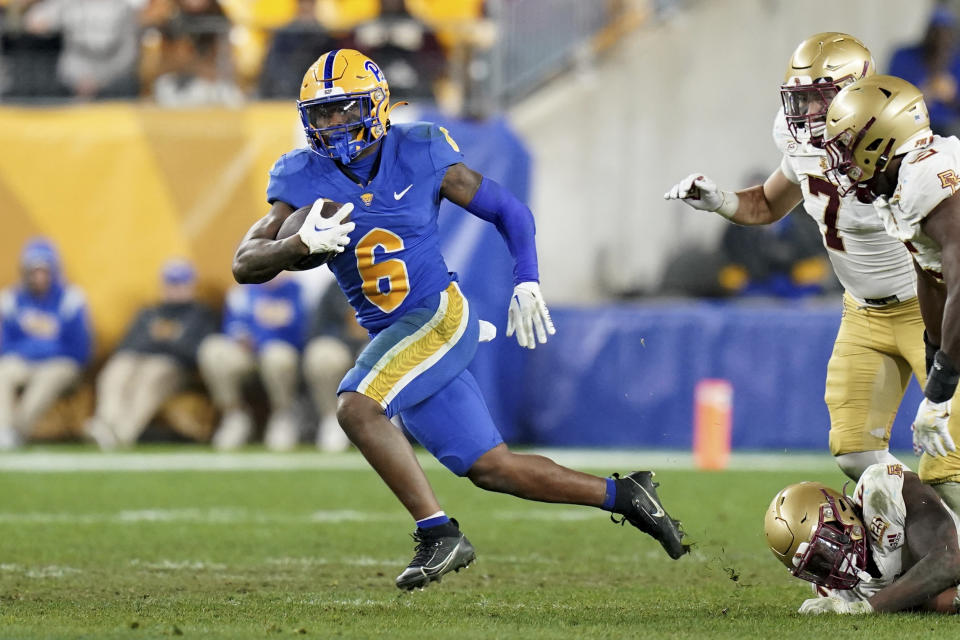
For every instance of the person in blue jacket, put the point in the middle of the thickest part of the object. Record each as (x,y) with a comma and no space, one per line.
(45,341)
(933,65)
(264,330)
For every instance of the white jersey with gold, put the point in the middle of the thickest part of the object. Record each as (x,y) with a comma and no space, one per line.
(927,176)
(873,267)
(879,498)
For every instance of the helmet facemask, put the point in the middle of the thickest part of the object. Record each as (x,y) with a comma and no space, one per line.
(843,171)
(836,554)
(341,126)
(805,107)
(805,104)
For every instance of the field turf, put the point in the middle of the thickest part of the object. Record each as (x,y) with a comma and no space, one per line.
(314,551)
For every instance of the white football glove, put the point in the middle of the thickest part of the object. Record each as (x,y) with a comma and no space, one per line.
(816,606)
(930,433)
(700,192)
(326,235)
(528,314)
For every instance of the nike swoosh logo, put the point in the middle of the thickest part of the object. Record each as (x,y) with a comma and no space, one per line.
(397,196)
(660,512)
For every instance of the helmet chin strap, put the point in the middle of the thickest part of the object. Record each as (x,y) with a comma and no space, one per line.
(341,145)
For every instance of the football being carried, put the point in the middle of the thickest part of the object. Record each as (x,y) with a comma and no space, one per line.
(324,228)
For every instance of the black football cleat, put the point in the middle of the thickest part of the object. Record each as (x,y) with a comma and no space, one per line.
(647,513)
(436,554)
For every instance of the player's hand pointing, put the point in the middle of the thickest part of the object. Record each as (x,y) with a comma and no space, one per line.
(326,235)
(700,192)
(528,314)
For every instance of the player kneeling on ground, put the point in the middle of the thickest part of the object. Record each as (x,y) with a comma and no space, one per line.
(892,546)
(386,258)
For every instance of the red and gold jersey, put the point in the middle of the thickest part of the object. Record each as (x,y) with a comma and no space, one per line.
(928,176)
(869,264)
(879,498)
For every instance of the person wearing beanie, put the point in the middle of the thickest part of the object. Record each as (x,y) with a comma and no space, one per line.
(45,341)
(156,358)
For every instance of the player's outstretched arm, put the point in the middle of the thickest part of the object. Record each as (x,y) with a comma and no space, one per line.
(260,255)
(527,315)
(760,204)
(931,537)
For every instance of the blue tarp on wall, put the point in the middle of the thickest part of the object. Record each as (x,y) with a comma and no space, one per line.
(625,376)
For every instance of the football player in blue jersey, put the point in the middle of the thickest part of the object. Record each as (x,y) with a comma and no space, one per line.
(383,248)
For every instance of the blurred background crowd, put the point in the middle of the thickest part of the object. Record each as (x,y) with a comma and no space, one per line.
(187,53)
(270,366)
(130,120)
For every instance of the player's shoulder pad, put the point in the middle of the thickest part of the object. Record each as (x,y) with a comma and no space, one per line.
(881,488)
(291,162)
(434,139)
(73,301)
(928,176)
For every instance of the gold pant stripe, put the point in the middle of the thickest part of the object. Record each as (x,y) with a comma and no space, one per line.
(417,352)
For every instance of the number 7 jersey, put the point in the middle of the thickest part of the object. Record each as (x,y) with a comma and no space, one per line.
(393,260)
(872,267)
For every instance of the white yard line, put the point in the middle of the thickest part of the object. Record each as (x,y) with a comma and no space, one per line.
(236,516)
(50,461)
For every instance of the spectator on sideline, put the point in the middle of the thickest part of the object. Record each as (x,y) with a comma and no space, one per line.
(293,48)
(155,360)
(933,65)
(405,48)
(44,341)
(101,44)
(336,341)
(263,332)
(27,61)
(195,67)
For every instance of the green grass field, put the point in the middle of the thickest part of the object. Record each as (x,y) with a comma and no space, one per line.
(314,550)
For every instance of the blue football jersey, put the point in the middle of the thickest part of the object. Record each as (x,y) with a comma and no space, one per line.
(393,260)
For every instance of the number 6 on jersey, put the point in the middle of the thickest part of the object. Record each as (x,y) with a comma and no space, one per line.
(392,270)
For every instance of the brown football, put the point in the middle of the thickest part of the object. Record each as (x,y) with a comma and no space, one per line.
(293,223)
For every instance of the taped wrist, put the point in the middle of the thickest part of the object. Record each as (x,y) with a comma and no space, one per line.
(729,205)
(942,380)
(931,350)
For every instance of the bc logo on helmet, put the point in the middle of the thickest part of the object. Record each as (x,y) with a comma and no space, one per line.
(372,67)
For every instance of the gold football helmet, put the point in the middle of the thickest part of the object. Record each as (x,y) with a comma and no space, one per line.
(344,104)
(870,122)
(817,534)
(821,66)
